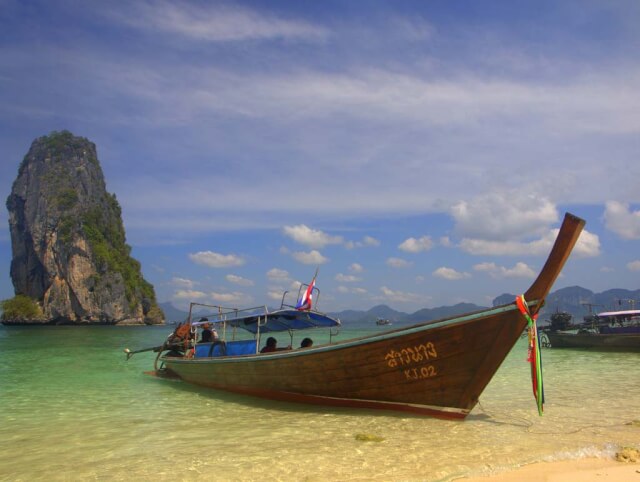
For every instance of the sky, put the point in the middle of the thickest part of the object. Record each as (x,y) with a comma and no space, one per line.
(418,153)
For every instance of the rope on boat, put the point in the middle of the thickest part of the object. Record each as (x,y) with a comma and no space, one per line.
(534,356)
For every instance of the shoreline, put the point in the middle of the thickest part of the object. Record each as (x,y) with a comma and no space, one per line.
(579,470)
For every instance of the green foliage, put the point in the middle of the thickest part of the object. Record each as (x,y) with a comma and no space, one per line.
(67,198)
(65,229)
(105,234)
(58,141)
(20,307)
(155,315)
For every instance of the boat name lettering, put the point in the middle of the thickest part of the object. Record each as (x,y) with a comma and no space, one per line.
(411,355)
(415,373)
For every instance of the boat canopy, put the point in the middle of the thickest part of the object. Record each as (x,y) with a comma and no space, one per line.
(619,313)
(283,320)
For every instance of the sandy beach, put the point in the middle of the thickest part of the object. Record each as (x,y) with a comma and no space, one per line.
(583,470)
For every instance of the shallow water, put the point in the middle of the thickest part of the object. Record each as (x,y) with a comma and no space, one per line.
(74,409)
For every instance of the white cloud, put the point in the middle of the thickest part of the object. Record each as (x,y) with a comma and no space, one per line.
(234,297)
(351,290)
(588,245)
(312,257)
(310,237)
(356,268)
(397,263)
(188,295)
(275,294)
(400,296)
(276,274)
(413,245)
(239,280)
(634,265)
(520,270)
(501,222)
(503,248)
(346,278)
(216,260)
(366,242)
(450,274)
(504,215)
(215,22)
(620,219)
(370,241)
(182,283)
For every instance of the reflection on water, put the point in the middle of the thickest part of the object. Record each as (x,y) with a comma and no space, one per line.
(73,408)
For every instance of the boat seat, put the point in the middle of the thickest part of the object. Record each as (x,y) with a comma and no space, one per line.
(234,348)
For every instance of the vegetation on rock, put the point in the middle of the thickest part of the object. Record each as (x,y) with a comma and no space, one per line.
(20,307)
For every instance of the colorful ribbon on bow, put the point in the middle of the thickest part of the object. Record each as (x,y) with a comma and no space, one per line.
(533,356)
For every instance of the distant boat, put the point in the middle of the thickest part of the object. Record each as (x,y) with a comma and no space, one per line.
(609,330)
(436,368)
(383,322)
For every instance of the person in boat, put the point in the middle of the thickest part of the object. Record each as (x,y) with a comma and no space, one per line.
(207,334)
(306,343)
(210,335)
(272,345)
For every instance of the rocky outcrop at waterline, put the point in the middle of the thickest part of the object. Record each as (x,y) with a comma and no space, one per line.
(68,241)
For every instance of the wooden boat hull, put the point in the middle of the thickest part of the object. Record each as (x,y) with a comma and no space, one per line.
(437,368)
(627,341)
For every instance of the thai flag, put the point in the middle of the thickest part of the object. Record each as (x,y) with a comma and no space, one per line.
(305,302)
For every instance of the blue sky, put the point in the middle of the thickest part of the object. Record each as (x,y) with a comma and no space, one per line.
(420,153)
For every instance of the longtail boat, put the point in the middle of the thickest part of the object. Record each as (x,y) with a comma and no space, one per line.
(436,368)
(608,330)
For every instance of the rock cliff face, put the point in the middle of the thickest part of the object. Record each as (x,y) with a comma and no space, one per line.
(68,240)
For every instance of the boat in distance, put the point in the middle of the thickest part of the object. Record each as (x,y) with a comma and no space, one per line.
(383,322)
(435,368)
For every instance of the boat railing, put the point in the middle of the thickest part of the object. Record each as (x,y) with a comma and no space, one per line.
(225,315)
(228,314)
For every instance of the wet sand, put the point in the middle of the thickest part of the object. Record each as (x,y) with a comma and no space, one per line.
(584,470)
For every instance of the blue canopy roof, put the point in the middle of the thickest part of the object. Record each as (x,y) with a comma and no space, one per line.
(284,320)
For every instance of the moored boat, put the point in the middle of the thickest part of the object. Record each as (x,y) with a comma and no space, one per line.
(436,368)
(608,330)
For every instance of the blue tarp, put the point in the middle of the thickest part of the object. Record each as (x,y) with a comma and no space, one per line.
(233,348)
(284,320)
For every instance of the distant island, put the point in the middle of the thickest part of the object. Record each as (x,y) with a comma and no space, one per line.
(70,261)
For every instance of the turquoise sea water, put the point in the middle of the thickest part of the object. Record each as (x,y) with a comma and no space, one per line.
(72,408)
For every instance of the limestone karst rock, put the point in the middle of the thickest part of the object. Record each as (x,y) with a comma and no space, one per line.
(68,239)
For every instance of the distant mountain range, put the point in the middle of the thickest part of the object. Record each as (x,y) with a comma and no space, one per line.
(579,301)
(575,300)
